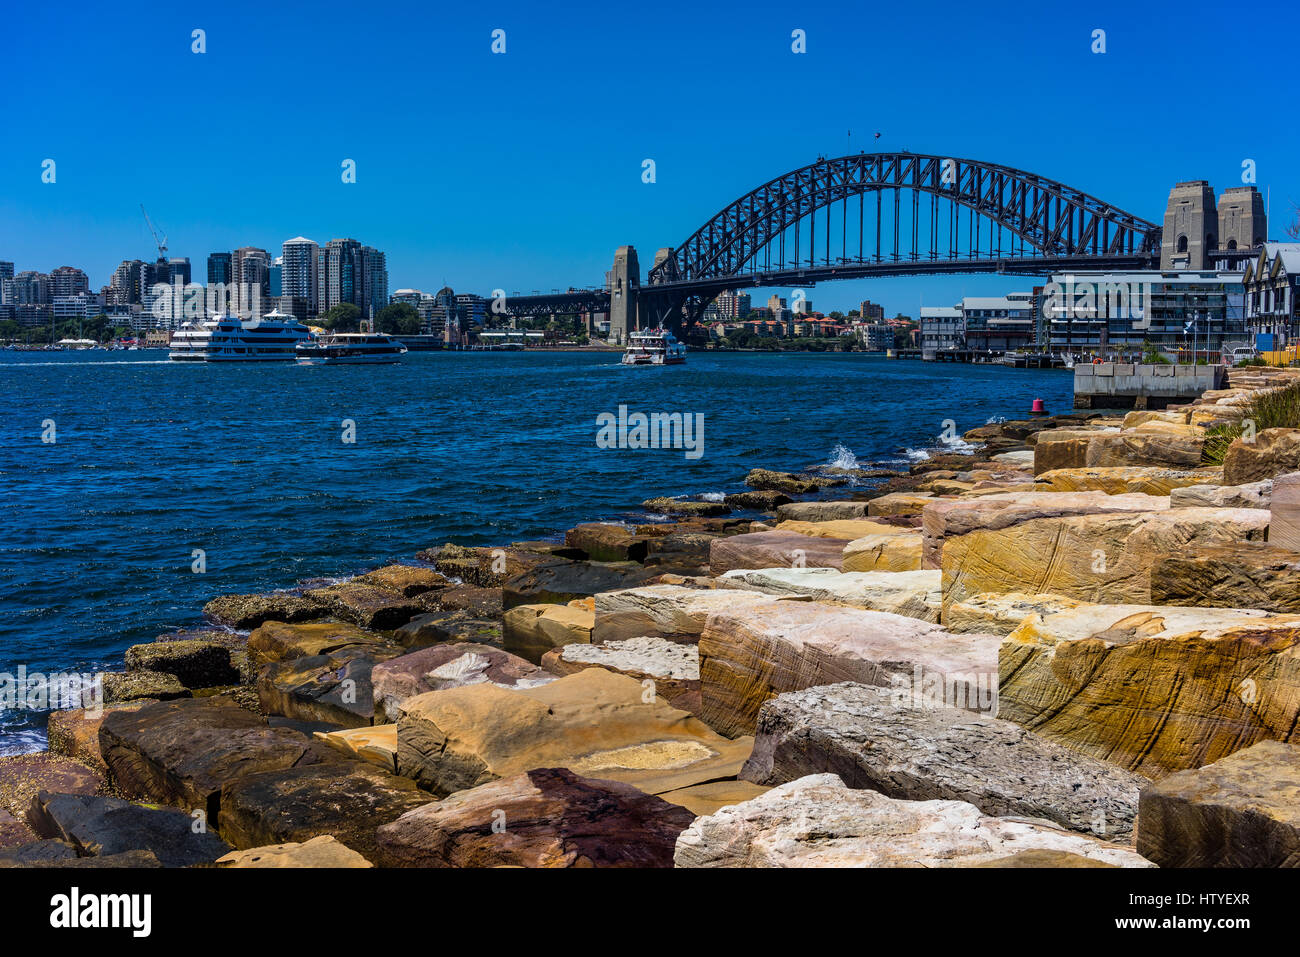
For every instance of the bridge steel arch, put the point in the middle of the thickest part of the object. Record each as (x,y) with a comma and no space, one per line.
(1053,222)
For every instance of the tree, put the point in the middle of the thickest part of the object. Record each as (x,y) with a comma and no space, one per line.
(345,317)
(399,319)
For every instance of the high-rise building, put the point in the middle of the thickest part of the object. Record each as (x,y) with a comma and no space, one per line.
(6,271)
(374,286)
(300,271)
(178,271)
(733,304)
(29,288)
(68,281)
(275,275)
(220,269)
(871,311)
(124,288)
(251,269)
(350,272)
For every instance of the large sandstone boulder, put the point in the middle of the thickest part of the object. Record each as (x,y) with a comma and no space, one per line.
(546,817)
(530,631)
(448,625)
(822,511)
(950,518)
(915,594)
(75,734)
(1284,507)
(24,776)
(182,752)
(847,529)
(195,663)
(559,581)
(1254,495)
(775,549)
(1177,447)
(369,606)
(1000,614)
(672,669)
(376,744)
(594,722)
(899,503)
(665,505)
(1273,452)
(1154,689)
(346,799)
(756,653)
(759,500)
(608,543)
(405,580)
(331,688)
(447,666)
(790,482)
(674,612)
(1094,558)
(281,641)
(106,826)
(817,821)
(1127,479)
(1240,811)
(249,611)
(323,851)
(890,552)
(1061,449)
(1245,575)
(901,746)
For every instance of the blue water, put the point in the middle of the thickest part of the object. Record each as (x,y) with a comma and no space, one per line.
(155,459)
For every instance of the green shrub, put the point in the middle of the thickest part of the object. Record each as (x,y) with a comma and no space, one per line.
(1273,409)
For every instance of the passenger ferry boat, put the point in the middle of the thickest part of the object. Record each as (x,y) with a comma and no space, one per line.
(228,339)
(653,347)
(351,348)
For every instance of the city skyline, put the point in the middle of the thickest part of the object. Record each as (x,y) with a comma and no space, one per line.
(555,189)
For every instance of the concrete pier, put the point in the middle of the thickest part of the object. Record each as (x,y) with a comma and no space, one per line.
(1128,385)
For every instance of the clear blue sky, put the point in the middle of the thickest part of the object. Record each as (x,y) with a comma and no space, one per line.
(523,170)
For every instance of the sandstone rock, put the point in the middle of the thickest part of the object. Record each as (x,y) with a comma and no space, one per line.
(278,641)
(1274,452)
(1038,859)
(333,688)
(530,631)
(443,626)
(899,503)
(559,581)
(367,605)
(847,529)
(1154,689)
(707,798)
(789,482)
(948,518)
(181,752)
(608,543)
(775,549)
(346,799)
(915,594)
(1126,480)
(888,741)
(674,612)
(678,506)
(1284,508)
(406,580)
(550,817)
(75,734)
(13,832)
(1095,558)
(23,776)
(759,652)
(104,826)
(489,567)
(1240,811)
(1247,575)
(136,685)
(1020,459)
(593,722)
(1179,449)
(817,821)
(1062,449)
(447,666)
(762,500)
(322,851)
(249,611)
(898,552)
(672,667)
(682,550)
(1255,495)
(1001,614)
(822,511)
(195,664)
(376,744)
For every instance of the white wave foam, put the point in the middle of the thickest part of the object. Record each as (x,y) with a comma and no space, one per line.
(842,457)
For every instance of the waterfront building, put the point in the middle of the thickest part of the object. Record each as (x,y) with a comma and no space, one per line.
(732,304)
(374,281)
(220,269)
(124,287)
(871,311)
(471,309)
(1101,313)
(300,272)
(941,327)
(875,336)
(802,307)
(339,274)
(295,306)
(1271,284)
(251,273)
(998,323)
(27,288)
(68,281)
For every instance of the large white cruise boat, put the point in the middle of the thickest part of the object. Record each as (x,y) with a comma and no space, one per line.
(351,348)
(228,339)
(653,347)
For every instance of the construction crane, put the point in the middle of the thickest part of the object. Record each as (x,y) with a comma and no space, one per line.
(161,242)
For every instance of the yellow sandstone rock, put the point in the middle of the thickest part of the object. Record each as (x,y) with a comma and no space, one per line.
(895,552)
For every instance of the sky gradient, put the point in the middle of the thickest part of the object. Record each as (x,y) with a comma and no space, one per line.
(523,171)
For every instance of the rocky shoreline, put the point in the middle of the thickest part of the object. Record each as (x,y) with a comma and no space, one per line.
(1074,646)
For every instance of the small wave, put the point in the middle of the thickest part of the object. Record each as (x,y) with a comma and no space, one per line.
(957,446)
(996,420)
(915,455)
(842,457)
(712,496)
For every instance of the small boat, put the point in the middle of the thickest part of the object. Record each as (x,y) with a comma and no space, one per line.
(653,347)
(351,348)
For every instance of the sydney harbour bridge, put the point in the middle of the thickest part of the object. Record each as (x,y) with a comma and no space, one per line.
(870,214)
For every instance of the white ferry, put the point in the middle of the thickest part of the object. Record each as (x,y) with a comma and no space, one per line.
(653,347)
(351,348)
(228,339)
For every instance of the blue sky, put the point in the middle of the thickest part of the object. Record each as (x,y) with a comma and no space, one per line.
(523,170)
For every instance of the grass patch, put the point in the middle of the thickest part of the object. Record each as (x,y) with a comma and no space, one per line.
(1273,409)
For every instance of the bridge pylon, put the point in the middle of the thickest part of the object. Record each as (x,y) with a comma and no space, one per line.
(624,289)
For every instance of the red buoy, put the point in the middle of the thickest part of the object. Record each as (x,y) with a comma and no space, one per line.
(1038,408)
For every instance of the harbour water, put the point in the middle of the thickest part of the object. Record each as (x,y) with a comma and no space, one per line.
(151,461)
